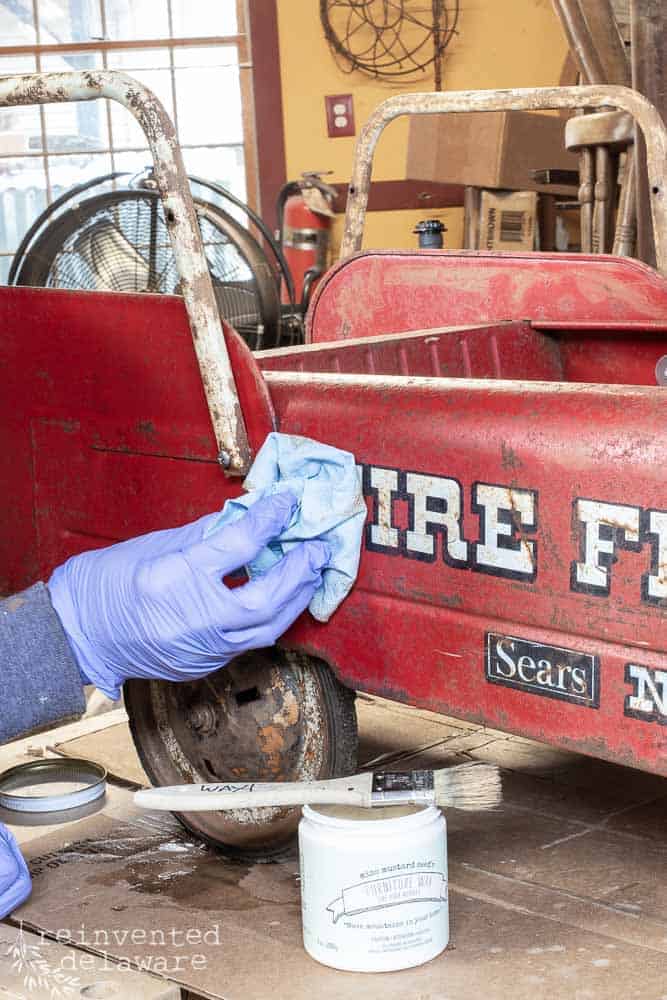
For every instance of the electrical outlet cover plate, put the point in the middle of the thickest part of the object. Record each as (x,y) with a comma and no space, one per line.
(340,115)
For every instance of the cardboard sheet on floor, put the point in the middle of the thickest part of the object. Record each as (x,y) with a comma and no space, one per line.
(524,920)
(558,893)
(113,748)
(33,966)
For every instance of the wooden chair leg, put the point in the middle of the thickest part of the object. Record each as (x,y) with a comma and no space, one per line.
(472,197)
(626,227)
(587,181)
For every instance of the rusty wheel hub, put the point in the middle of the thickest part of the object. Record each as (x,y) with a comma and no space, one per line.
(247,721)
(272,715)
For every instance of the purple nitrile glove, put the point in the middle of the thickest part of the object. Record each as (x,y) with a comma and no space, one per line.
(15,884)
(156,606)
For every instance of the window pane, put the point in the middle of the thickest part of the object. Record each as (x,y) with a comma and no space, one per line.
(66,171)
(138,18)
(17,26)
(133,163)
(203,79)
(20,130)
(139,63)
(135,61)
(208,96)
(69,21)
(199,18)
(22,197)
(5,264)
(224,166)
(196,56)
(16,64)
(79,125)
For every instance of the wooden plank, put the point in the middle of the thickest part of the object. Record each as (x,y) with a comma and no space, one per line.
(649,77)
(389,196)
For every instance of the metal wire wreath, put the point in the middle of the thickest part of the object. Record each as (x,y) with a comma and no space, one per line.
(389,38)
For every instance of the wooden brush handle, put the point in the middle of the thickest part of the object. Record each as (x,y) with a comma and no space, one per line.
(214,796)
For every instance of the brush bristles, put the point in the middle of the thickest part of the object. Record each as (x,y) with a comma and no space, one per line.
(474,787)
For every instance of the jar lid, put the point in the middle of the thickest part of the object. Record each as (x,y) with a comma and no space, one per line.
(375,821)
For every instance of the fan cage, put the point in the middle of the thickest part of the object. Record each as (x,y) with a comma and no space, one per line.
(118,241)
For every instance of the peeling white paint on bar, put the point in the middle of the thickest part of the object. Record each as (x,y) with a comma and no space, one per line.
(522,99)
(173,186)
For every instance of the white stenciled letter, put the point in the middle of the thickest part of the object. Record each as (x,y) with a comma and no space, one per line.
(605,526)
(646,699)
(503,512)
(655,583)
(383,482)
(447,495)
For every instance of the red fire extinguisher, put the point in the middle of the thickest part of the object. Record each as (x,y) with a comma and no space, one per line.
(304,218)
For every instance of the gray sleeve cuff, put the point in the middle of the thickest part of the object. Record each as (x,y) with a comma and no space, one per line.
(41,684)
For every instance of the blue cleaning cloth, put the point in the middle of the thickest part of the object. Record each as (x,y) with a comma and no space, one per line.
(327,484)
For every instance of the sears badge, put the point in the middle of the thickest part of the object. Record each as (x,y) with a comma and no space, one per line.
(551,671)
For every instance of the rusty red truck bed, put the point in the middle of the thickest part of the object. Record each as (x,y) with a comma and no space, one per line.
(510,492)
(505,414)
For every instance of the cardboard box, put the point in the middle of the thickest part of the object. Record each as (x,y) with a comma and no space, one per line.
(508,220)
(496,149)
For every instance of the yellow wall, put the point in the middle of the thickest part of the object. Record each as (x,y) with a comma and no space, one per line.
(501,43)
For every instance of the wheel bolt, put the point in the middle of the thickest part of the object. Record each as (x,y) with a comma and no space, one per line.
(202,719)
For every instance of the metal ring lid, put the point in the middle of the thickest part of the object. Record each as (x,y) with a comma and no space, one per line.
(49,771)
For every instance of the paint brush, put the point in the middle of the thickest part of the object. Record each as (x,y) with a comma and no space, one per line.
(467,786)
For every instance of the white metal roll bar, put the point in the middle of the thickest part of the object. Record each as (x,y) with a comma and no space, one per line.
(528,99)
(180,217)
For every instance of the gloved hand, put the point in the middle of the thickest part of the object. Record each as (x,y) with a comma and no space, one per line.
(15,884)
(155,606)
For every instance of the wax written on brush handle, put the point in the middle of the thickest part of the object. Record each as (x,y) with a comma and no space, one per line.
(468,786)
(210,797)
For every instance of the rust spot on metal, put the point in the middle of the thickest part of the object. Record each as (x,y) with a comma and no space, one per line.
(68,426)
(517,521)
(261,718)
(272,742)
(509,458)
(147,427)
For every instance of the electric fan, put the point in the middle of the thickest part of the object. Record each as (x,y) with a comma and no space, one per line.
(118,241)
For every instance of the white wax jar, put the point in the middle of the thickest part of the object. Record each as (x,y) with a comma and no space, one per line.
(373,886)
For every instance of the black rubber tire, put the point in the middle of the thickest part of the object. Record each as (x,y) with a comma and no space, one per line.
(327,743)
